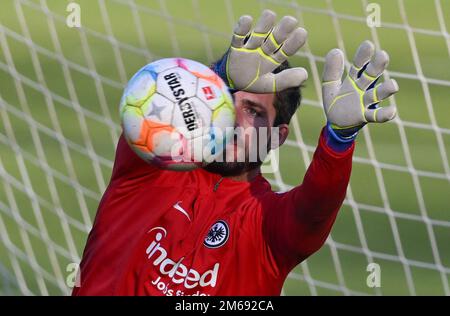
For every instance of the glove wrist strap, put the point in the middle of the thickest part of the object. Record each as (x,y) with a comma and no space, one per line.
(336,142)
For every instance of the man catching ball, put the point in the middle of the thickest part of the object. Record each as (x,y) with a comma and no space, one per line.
(220,229)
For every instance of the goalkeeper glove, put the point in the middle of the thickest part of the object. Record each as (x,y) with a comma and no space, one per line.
(252,56)
(351,104)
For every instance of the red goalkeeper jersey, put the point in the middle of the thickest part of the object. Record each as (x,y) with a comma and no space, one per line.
(160,232)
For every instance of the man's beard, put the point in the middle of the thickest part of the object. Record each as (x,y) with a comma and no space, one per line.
(227,169)
(233,168)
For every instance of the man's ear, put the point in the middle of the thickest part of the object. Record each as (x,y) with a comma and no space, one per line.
(279,135)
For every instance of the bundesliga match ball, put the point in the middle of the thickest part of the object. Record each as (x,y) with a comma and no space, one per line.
(177,113)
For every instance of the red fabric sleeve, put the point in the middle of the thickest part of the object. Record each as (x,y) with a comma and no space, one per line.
(297,223)
(128,165)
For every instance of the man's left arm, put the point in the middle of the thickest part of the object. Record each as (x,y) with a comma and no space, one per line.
(297,223)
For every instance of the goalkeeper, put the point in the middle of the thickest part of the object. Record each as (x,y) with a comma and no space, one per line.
(221,230)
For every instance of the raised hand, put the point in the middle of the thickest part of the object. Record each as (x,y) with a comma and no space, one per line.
(352,103)
(254,54)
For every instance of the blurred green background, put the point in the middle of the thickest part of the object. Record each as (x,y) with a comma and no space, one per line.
(59,94)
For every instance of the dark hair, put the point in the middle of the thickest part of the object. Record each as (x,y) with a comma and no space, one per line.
(287,101)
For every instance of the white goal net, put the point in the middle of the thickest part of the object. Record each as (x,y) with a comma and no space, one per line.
(59,92)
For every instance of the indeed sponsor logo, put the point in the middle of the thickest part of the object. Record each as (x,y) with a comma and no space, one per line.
(176,270)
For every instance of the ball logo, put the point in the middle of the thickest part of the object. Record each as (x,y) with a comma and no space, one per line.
(217,235)
(173,80)
(190,118)
(209,93)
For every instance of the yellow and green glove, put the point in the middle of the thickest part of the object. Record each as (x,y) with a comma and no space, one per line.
(254,54)
(352,103)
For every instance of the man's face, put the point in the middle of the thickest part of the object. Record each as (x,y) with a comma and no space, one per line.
(255,115)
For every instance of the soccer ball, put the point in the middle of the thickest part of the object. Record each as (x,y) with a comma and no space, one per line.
(177,113)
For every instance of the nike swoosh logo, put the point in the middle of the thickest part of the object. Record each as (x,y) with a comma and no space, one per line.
(182,210)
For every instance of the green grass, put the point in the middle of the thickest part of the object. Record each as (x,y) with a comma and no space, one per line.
(203,35)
